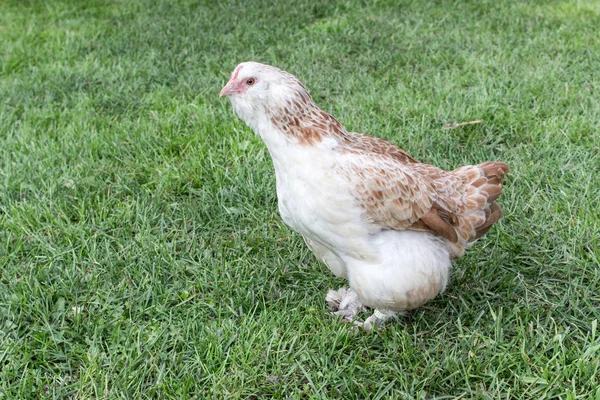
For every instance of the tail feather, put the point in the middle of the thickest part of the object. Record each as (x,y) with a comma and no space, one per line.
(493,192)
(484,186)
(494,216)
(494,171)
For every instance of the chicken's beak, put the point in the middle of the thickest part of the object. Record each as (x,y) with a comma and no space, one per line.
(227,89)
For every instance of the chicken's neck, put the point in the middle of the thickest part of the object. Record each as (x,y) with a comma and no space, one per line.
(307,125)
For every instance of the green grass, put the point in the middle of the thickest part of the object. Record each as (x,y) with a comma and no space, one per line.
(141,253)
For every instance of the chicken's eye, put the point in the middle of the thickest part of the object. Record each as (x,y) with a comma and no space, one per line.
(250,81)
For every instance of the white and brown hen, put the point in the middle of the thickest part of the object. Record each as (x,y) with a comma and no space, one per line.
(372,213)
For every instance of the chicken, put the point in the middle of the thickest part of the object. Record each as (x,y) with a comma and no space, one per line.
(372,213)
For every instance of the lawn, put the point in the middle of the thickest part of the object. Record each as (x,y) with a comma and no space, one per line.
(141,252)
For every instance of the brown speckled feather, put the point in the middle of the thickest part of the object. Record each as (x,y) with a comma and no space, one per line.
(398,192)
(392,194)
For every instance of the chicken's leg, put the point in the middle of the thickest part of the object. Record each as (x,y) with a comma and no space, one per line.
(344,302)
(377,319)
